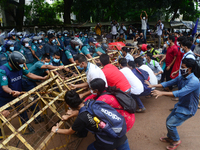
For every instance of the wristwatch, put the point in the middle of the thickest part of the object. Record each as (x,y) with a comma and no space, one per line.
(56,130)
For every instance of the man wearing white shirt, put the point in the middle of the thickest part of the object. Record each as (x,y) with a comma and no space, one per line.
(114,26)
(137,87)
(144,23)
(92,71)
(139,63)
(160,27)
(122,29)
(126,55)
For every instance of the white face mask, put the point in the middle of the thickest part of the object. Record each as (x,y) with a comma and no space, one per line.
(178,44)
(40,41)
(26,45)
(21,65)
(165,45)
(93,92)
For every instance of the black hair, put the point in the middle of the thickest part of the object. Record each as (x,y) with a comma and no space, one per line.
(139,61)
(149,55)
(104,58)
(140,43)
(132,64)
(81,58)
(190,39)
(181,38)
(45,56)
(123,62)
(125,49)
(188,44)
(72,99)
(57,53)
(98,84)
(149,46)
(191,63)
(172,38)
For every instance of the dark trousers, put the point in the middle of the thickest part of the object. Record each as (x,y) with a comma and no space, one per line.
(167,74)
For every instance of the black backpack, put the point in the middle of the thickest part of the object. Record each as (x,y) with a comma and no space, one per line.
(125,100)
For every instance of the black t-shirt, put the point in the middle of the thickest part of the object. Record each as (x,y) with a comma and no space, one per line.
(143,41)
(85,120)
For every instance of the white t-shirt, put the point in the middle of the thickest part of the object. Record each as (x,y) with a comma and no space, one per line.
(93,72)
(153,80)
(136,85)
(114,29)
(159,29)
(144,24)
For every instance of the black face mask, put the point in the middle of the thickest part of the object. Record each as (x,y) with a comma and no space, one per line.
(141,36)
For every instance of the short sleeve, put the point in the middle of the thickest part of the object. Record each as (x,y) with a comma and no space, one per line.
(3,78)
(47,48)
(25,72)
(175,51)
(85,50)
(79,124)
(61,63)
(39,65)
(68,54)
(33,47)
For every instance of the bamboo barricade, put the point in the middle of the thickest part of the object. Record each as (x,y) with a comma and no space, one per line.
(49,96)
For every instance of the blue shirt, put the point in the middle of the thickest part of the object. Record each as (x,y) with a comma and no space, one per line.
(188,93)
(193,47)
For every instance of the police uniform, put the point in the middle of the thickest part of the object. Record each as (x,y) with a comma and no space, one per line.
(3,58)
(69,53)
(66,41)
(17,45)
(28,55)
(99,49)
(51,49)
(59,63)
(86,50)
(12,79)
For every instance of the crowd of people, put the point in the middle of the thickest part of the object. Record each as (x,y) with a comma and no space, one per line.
(25,59)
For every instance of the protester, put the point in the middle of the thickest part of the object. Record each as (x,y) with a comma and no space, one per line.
(85,120)
(188,94)
(144,23)
(160,27)
(126,54)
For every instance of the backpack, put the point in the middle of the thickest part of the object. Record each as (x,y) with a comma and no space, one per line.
(125,100)
(115,125)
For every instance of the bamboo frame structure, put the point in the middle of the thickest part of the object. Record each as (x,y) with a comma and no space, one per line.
(50,94)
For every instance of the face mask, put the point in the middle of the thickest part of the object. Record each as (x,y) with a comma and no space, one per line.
(168,43)
(198,41)
(85,36)
(56,60)
(141,36)
(182,51)
(80,68)
(92,46)
(35,42)
(12,48)
(93,92)
(53,41)
(40,41)
(178,44)
(65,34)
(77,47)
(26,45)
(143,18)
(21,65)
(0,48)
(46,63)
(20,36)
(184,71)
(165,45)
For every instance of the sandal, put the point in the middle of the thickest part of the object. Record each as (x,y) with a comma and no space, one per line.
(141,110)
(173,146)
(166,139)
(175,99)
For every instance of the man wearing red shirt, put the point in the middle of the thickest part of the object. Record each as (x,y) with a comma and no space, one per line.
(113,76)
(171,55)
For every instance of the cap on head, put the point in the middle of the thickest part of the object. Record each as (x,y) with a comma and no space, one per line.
(16,58)
(92,40)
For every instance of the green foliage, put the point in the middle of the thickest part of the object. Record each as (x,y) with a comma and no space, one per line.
(40,13)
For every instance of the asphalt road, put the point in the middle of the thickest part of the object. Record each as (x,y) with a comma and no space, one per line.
(150,126)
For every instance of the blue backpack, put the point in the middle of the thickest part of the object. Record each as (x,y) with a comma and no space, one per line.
(115,122)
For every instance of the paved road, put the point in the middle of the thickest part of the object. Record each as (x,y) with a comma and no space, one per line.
(150,126)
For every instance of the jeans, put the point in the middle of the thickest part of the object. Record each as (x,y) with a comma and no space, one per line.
(124,146)
(144,33)
(138,100)
(174,120)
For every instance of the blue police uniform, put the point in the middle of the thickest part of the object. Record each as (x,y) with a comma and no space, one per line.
(28,55)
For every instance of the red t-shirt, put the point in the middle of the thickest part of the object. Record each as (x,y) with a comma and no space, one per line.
(112,101)
(172,51)
(115,77)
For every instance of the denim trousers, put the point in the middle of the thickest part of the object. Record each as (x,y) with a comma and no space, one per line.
(124,146)
(144,33)
(173,120)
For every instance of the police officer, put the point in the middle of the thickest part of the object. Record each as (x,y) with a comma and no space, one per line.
(85,39)
(3,54)
(60,39)
(71,51)
(11,81)
(94,51)
(28,52)
(11,35)
(9,46)
(35,48)
(18,44)
(51,47)
(67,38)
